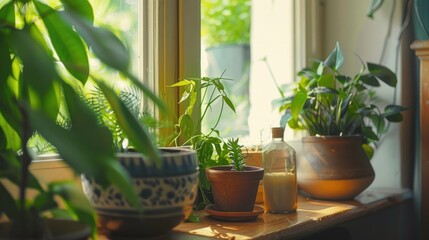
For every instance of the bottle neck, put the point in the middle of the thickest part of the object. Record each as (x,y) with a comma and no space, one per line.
(277,139)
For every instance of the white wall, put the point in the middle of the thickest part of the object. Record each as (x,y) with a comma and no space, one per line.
(346,22)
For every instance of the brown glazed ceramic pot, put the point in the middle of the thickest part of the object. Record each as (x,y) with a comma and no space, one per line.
(333,167)
(234,191)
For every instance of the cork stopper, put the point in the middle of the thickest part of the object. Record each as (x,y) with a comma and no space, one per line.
(277,132)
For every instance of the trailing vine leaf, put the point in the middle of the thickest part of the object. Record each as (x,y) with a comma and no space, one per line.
(375,5)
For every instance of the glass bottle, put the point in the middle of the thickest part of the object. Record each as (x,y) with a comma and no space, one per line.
(280,185)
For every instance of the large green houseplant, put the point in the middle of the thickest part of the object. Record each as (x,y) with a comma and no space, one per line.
(332,107)
(40,74)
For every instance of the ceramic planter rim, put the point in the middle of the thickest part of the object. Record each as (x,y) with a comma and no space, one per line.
(228,168)
(334,138)
(177,151)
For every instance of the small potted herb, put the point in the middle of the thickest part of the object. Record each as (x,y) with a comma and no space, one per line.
(234,186)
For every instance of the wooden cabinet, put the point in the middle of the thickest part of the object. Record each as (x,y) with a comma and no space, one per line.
(422,51)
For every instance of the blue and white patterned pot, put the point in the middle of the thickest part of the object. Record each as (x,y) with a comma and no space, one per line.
(167,194)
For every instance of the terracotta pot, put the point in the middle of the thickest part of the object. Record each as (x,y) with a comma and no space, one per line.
(234,191)
(333,167)
(167,194)
(57,229)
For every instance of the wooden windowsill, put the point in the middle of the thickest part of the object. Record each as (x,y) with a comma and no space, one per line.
(312,216)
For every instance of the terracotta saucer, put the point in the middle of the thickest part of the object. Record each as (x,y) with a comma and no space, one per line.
(233,216)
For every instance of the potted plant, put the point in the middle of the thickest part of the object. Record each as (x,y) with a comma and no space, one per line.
(40,75)
(166,192)
(343,124)
(234,187)
(225,32)
(208,144)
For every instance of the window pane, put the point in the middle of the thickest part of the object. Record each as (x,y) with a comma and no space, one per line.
(251,43)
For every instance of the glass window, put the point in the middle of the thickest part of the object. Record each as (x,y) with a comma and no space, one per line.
(250,43)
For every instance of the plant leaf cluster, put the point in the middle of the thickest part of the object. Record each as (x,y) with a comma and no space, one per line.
(225,22)
(235,153)
(211,148)
(326,102)
(44,56)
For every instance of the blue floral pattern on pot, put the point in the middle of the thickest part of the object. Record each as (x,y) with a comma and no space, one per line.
(167,192)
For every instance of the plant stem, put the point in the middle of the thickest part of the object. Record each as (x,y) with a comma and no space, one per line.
(25,163)
(208,104)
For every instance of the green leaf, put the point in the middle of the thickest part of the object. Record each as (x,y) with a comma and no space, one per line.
(335,59)
(3,140)
(378,122)
(343,79)
(383,73)
(86,146)
(307,73)
(391,110)
(293,123)
(327,80)
(369,151)
(189,89)
(148,93)
(229,103)
(368,133)
(186,126)
(75,202)
(181,83)
(193,218)
(345,105)
(285,118)
(7,203)
(6,62)
(44,201)
(297,104)
(395,118)
(11,169)
(7,15)
(324,90)
(136,133)
(66,42)
(121,179)
(370,80)
(81,7)
(39,72)
(375,5)
(105,45)
(393,113)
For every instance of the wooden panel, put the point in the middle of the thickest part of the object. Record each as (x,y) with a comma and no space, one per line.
(422,51)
